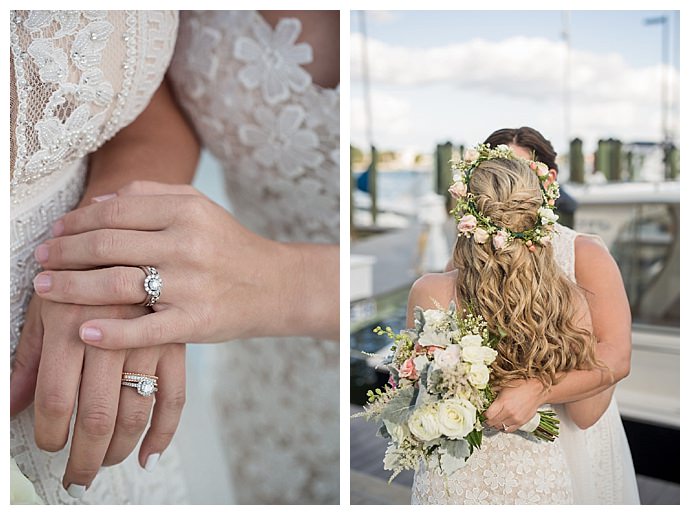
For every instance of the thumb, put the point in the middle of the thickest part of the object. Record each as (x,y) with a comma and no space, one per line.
(27,359)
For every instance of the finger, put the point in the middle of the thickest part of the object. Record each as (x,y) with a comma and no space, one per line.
(57,382)
(137,188)
(100,287)
(167,410)
(134,409)
(144,214)
(99,394)
(492,413)
(104,247)
(26,359)
(169,325)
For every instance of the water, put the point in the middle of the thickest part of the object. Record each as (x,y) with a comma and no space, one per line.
(399,190)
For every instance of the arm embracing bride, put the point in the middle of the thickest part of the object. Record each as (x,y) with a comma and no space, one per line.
(585,393)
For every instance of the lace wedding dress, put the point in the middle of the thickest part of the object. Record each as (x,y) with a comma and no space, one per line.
(276,135)
(593,466)
(77,77)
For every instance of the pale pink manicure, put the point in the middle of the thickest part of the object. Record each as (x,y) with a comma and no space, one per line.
(43,283)
(57,229)
(41,253)
(107,196)
(91,334)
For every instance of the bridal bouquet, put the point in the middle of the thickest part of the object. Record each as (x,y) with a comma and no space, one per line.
(439,388)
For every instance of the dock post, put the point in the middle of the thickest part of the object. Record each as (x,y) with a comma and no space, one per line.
(577,162)
(444,153)
(372,184)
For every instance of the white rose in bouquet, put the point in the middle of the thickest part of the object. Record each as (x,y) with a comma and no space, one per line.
(434,318)
(433,339)
(481,354)
(448,357)
(479,375)
(397,431)
(423,423)
(471,340)
(456,417)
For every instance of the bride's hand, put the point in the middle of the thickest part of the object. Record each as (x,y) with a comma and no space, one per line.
(220,280)
(515,405)
(110,418)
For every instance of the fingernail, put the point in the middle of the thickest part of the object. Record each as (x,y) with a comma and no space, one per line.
(41,253)
(76,491)
(151,462)
(43,283)
(101,198)
(57,229)
(91,334)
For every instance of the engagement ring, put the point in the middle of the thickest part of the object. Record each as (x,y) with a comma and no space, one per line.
(153,285)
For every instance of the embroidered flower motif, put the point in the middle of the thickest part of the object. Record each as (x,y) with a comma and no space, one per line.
(281,142)
(89,43)
(273,60)
(94,88)
(68,21)
(58,139)
(50,61)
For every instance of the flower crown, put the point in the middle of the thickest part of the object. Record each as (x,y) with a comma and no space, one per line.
(472,222)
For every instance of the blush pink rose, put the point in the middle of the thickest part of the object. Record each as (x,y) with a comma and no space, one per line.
(458,190)
(408,370)
(500,239)
(467,224)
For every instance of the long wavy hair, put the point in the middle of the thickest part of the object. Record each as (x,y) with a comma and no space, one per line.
(522,294)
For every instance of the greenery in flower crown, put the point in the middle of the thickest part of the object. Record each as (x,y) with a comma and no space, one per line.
(473,223)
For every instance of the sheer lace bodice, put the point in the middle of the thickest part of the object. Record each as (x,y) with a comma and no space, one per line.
(78,77)
(276,135)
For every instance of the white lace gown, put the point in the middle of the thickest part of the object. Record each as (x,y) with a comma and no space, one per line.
(593,466)
(276,135)
(77,77)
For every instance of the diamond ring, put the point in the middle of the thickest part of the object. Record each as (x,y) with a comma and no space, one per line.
(153,285)
(146,385)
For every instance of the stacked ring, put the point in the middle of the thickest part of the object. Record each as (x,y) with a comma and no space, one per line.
(153,285)
(146,385)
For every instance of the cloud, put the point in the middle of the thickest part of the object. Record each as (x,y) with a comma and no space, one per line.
(523,67)
(520,78)
(391,115)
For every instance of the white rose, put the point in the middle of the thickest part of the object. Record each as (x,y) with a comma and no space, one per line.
(480,354)
(423,423)
(471,340)
(547,216)
(471,154)
(434,317)
(448,357)
(479,375)
(22,490)
(432,338)
(456,417)
(480,235)
(503,148)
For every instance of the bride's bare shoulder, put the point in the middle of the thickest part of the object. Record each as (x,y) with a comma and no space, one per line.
(432,288)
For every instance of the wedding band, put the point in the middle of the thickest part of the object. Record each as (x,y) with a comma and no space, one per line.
(145,384)
(153,285)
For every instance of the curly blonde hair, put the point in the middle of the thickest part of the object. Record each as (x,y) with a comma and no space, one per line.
(522,294)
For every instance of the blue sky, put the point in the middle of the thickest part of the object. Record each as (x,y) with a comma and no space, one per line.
(507,68)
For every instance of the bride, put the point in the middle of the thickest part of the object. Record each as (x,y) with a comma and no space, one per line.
(274,125)
(518,287)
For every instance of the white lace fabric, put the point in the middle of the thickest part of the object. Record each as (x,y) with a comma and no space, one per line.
(276,134)
(78,78)
(593,466)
